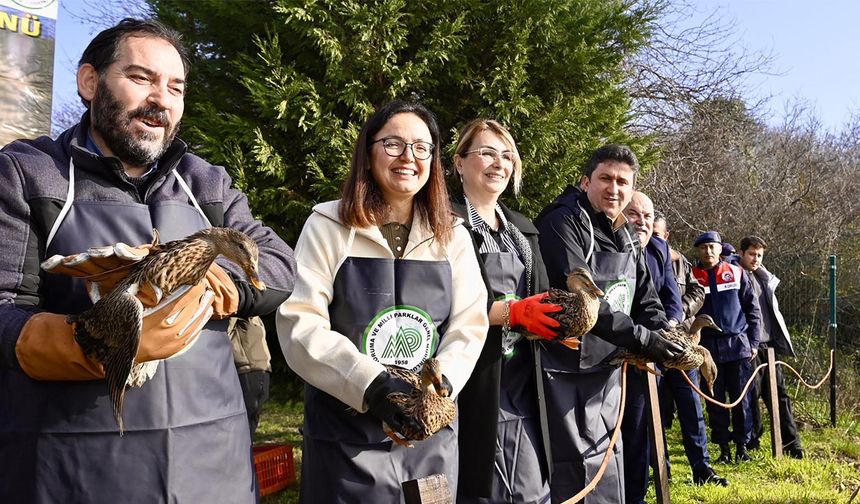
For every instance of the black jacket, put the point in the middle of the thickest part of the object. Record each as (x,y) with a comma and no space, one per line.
(479,400)
(565,239)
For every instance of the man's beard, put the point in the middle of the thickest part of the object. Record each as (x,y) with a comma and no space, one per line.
(114,126)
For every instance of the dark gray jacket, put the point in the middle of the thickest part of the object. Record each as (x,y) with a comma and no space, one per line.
(33,188)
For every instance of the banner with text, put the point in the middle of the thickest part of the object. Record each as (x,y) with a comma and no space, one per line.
(28,29)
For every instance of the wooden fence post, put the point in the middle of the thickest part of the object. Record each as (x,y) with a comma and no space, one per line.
(430,490)
(773,400)
(658,448)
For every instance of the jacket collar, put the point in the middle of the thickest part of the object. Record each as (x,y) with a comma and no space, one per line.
(419,233)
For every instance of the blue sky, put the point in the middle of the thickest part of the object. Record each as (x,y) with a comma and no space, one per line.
(816,45)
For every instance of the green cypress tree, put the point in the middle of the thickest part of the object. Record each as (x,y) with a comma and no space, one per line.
(279,89)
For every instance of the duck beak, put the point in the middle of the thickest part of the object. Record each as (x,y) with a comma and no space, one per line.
(257,283)
(596,290)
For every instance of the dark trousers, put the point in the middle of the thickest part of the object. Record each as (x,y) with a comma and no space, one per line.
(673,387)
(761,389)
(255,389)
(636,434)
(731,378)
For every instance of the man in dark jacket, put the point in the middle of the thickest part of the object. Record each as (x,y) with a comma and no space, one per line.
(587,229)
(112,178)
(674,389)
(730,301)
(635,431)
(774,333)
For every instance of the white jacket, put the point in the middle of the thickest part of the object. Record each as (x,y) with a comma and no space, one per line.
(328,360)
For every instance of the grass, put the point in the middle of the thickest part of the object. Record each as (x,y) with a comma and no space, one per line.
(830,473)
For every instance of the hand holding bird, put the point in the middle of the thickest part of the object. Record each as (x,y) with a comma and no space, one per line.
(691,356)
(579,306)
(159,305)
(416,407)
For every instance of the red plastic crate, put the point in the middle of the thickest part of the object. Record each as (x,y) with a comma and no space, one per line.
(274,466)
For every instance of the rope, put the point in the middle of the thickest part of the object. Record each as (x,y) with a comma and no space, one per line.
(752,377)
(608,455)
(813,387)
(617,431)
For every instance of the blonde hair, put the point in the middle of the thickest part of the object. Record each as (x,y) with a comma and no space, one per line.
(475,128)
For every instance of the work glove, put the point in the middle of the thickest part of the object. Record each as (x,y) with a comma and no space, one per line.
(49,346)
(658,348)
(380,406)
(101,267)
(531,314)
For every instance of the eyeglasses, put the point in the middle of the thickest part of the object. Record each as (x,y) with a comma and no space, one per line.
(491,155)
(395,147)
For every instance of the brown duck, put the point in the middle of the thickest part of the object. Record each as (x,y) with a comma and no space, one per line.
(579,306)
(428,403)
(112,325)
(694,355)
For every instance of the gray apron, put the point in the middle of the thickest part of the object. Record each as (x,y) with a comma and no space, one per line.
(517,473)
(186,433)
(582,404)
(395,311)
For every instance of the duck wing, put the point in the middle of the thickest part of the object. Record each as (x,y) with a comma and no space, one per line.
(111,334)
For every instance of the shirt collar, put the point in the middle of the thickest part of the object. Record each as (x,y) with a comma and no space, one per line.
(476,220)
(91,146)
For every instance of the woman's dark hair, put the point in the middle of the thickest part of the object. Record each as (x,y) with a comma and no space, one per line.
(362,202)
(103,50)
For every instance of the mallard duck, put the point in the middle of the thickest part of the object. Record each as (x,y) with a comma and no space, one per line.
(112,325)
(428,403)
(694,355)
(579,306)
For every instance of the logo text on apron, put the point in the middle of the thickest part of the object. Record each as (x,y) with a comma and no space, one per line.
(402,335)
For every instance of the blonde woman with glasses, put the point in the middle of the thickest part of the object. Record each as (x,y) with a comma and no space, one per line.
(504,447)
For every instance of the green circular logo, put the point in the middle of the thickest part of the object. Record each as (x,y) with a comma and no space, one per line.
(619,295)
(401,335)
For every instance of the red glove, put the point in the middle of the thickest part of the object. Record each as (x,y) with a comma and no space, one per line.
(531,314)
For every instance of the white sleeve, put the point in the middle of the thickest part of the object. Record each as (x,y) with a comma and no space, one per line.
(324,358)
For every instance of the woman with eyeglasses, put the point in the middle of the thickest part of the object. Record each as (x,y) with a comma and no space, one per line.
(386,277)
(504,444)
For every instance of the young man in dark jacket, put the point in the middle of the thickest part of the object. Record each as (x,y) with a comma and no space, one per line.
(587,229)
(729,300)
(112,178)
(774,333)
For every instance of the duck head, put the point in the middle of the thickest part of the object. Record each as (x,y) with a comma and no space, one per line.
(579,280)
(238,248)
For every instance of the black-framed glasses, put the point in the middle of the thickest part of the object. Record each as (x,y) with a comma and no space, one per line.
(395,147)
(490,155)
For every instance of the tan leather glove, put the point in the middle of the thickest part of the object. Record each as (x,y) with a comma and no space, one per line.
(47,349)
(102,267)
(96,260)
(172,326)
